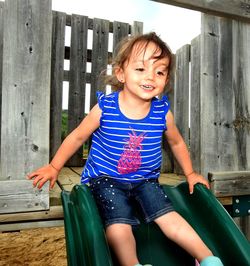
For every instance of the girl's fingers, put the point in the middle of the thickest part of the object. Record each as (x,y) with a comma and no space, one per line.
(52,183)
(42,181)
(36,180)
(31,175)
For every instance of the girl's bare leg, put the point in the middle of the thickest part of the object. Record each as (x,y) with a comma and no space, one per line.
(121,239)
(177,229)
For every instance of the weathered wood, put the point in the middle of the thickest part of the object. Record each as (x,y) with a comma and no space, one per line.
(217,97)
(167,165)
(171,179)
(57,74)
(195,118)
(234,9)
(233,183)
(89,56)
(55,212)
(90,24)
(78,61)
(121,30)
(241,84)
(30,225)
(1,60)
(244,225)
(100,58)
(20,196)
(25,87)
(137,28)
(181,104)
(225,120)
(225,200)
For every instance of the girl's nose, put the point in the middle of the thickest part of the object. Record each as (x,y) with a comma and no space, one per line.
(150,75)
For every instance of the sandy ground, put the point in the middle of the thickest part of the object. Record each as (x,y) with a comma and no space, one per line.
(33,247)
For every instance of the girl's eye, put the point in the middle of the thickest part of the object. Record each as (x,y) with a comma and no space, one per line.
(161,73)
(140,69)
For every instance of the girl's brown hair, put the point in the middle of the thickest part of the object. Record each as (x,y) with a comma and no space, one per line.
(124,50)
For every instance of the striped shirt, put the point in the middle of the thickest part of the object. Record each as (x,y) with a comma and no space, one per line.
(126,149)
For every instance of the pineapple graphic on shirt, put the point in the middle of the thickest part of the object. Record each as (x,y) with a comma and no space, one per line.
(130,160)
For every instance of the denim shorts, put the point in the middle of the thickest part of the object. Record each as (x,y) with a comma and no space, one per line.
(119,202)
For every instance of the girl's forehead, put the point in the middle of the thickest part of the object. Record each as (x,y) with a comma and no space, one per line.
(144,51)
(142,48)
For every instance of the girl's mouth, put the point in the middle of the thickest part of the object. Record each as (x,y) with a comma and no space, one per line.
(147,87)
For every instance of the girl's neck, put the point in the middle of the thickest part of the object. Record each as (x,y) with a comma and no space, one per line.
(132,107)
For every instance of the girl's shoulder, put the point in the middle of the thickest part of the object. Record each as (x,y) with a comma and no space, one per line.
(162,102)
(106,100)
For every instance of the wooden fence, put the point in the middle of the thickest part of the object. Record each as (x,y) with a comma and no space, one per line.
(102,33)
(212,97)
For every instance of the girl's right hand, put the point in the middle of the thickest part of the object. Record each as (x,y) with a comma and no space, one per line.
(44,174)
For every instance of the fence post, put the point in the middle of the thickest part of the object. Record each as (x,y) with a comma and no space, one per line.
(195,104)
(1,60)
(181,95)
(25,96)
(218,143)
(137,28)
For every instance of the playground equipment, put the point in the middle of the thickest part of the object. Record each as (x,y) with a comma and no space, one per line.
(86,243)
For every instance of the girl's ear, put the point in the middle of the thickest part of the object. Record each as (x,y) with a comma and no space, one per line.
(167,80)
(119,74)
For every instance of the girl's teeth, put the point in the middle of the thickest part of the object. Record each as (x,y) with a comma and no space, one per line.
(147,87)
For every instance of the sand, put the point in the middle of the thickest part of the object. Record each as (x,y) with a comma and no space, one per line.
(33,247)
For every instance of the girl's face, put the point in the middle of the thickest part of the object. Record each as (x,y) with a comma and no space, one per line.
(144,76)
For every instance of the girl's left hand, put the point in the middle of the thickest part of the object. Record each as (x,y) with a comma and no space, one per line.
(195,178)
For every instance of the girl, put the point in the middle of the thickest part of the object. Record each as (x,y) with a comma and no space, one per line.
(125,156)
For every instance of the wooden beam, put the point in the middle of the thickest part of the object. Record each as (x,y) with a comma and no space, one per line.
(54,213)
(21,196)
(234,9)
(234,183)
(30,225)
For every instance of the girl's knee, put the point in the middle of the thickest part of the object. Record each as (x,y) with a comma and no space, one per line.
(118,230)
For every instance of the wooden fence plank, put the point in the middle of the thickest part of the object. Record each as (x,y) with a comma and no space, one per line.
(209,90)
(99,56)
(120,30)
(78,61)
(137,28)
(1,60)
(217,136)
(195,104)
(181,104)
(20,196)
(241,85)
(57,72)
(26,87)
(167,165)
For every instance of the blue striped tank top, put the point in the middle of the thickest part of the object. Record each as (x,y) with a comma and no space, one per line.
(126,149)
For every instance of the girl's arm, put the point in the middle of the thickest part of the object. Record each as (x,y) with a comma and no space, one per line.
(181,153)
(69,146)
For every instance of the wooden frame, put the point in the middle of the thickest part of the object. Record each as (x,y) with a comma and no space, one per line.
(234,9)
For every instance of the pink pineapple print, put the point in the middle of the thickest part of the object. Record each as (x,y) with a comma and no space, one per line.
(130,159)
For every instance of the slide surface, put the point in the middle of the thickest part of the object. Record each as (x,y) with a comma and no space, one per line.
(86,243)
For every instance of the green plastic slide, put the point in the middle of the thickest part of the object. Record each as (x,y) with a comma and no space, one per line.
(86,243)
